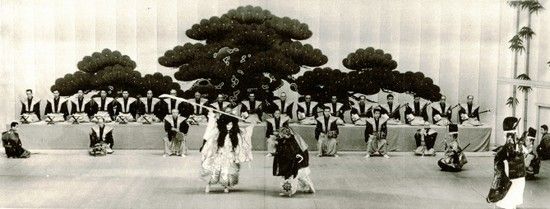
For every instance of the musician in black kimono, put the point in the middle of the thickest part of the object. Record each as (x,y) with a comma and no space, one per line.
(307,111)
(283,105)
(454,158)
(360,111)
(326,133)
(12,143)
(273,125)
(336,109)
(375,135)
(176,128)
(101,139)
(56,108)
(30,108)
(392,110)
(127,109)
(252,108)
(82,109)
(220,103)
(441,112)
(107,107)
(199,113)
(469,113)
(170,104)
(416,114)
(148,109)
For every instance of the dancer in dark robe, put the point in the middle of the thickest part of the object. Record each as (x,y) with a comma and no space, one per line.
(12,143)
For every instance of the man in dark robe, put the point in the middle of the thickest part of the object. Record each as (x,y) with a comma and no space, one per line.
(148,109)
(12,143)
(307,111)
(543,150)
(30,108)
(101,139)
(441,112)
(82,108)
(176,128)
(252,108)
(326,133)
(375,135)
(469,112)
(273,125)
(56,108)
(416,113)
(199,113)
(107,107)
(127,111)
(391,109)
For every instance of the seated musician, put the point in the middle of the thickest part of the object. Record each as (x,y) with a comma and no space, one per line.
(360,111)
(101,139)
(176,128)
(415,113)
(106,107)
(81,109)
(375,135)
(392,110)
(283,105)
(454,158)
(56,108)
(251,108)
(326,133)
(425,141)
(532,161)
(336,109)
(170,104)
(272,130)
(12,143)
(441,112)
(126,108)
(199,113)
(220,103)
(543,149)
(148,109)
(30,108)
(469,113)
(307,111)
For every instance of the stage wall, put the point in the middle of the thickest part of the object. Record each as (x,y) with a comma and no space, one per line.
(462,45)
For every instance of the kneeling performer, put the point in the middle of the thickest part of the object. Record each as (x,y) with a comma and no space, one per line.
(12,143)
(292,163)
(101,139)
(425,141)
(326,132)
(375,135)
(176,128)
(454,158)
(273,125)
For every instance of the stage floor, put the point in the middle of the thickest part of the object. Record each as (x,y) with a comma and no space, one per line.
(144,179)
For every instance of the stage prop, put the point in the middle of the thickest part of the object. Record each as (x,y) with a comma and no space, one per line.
(138,136)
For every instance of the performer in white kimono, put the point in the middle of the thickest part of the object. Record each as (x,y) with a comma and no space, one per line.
(375,135)
(252,108)
(307,111)
(30,108)
(360,111)
(148,109)
(126,108)
(106,107)
(176,128)
(283,105)
(441,112)
(273,125)
(326,133)
(336,109)
(227,147)
(509,179)
(56,108)
(392,110)
(416,112)
(469,113)
(81,111)
(199,113)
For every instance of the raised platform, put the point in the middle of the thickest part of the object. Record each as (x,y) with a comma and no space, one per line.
(140,136)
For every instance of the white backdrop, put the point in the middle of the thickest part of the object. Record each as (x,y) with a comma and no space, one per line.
(461,45)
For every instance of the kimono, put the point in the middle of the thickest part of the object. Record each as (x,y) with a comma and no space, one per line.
(392,111)
(199,113)
(307,112)
(326,132)
(252,109)
(170,104)
(416,114)
(291,162)
(285,107)
(454,157)
(441,114)
(81,110)
(174,142)
(375,136)
(56,110)
(148,110)
(127,111)
(337,110)
(223,153)
(107,108)
(469,114)
(509,178)
(101,140)
(273,126)
(30,110)
(12,145)
(543,150)
(360,112)
(425,141)
(532,161)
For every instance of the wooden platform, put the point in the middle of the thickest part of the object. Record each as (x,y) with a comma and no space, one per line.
(144,179)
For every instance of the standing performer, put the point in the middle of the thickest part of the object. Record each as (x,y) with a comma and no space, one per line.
(509,179)
(127,110)
(272,130)
(56,108)
(543,150)
(454,158)
(30,108)
(326,133)
(12,143)
(336,109)
(532,161)
(291,162)
(176,128)
(307,111)
(469,113)
(227,147)
(283,105)
(199,113)
(425,141)
(441,112)
(101,139)
(375,135)
(416,112)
